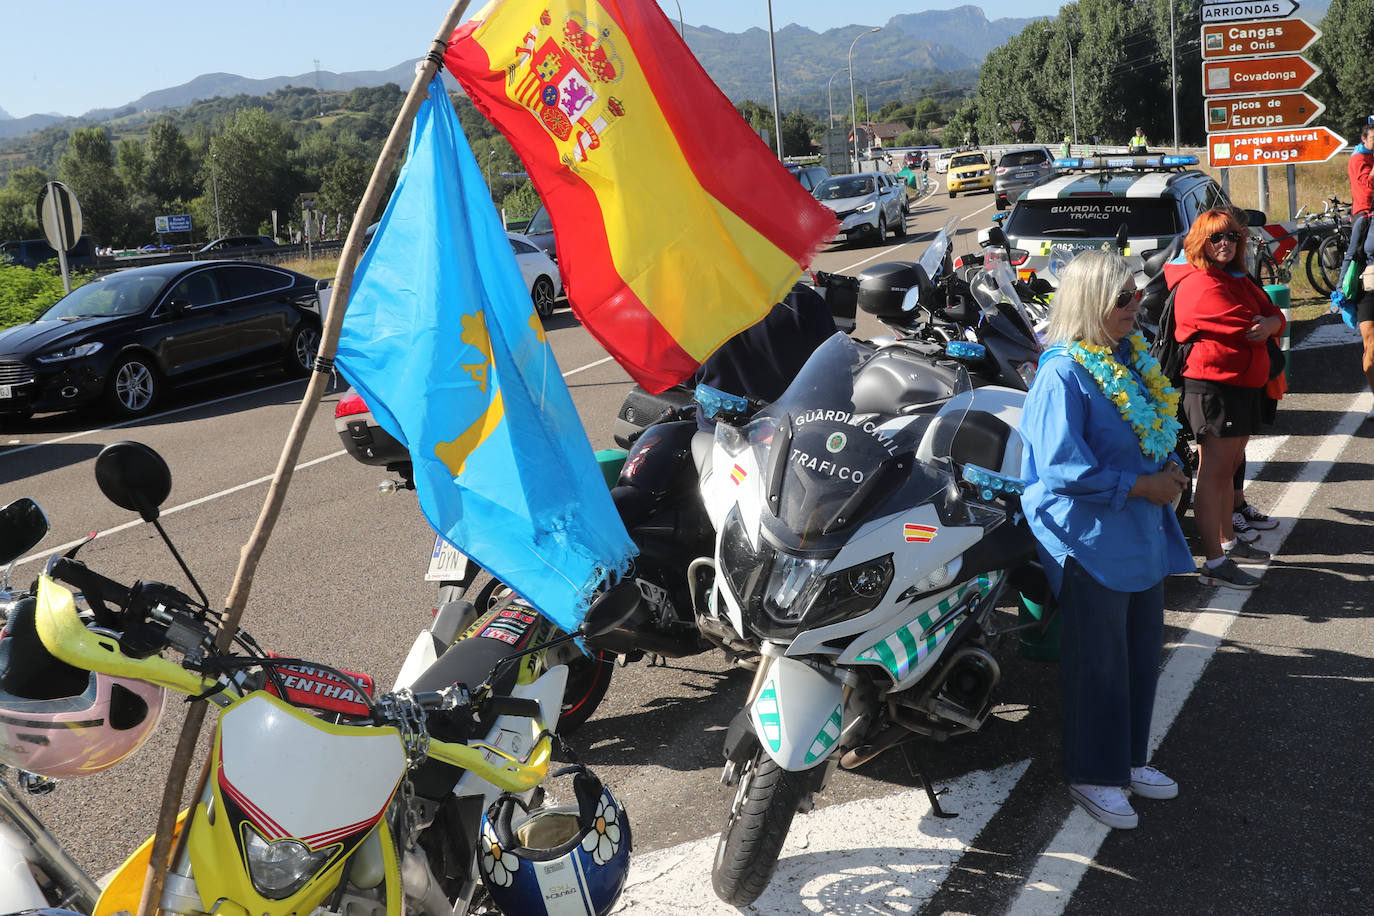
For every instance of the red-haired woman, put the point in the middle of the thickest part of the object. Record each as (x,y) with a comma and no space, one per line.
(1227,318)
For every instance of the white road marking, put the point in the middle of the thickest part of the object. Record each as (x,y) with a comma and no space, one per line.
(872,855)
(62,548)
(155,416)
(1069,855)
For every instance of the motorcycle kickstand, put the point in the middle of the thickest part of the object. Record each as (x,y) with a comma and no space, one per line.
(920,773)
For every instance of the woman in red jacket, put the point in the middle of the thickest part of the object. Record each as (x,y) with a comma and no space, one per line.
(1227,318)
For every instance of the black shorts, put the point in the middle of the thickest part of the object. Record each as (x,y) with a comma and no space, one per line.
(1364,308)
(1223,411)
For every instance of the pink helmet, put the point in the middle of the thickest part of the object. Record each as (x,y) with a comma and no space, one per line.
(61,721)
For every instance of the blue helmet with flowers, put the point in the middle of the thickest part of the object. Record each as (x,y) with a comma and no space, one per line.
(563,859)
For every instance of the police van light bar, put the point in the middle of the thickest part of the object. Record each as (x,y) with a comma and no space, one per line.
(1124,162)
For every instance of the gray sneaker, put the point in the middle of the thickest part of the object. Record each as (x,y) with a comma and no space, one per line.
(1227,574)
(1248,551)
(1107,804)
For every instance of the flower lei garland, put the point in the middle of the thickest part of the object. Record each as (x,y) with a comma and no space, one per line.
(1152,411)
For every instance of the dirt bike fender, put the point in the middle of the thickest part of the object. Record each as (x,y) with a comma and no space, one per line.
(798,714)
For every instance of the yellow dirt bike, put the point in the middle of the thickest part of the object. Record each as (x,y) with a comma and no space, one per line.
(319,797)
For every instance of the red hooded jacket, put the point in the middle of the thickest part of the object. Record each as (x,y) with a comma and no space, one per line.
(1215,308)
(1361,182)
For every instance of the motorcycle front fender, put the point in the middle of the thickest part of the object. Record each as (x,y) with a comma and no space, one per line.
(798,714)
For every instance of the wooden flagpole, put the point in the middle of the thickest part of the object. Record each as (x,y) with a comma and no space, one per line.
(295,440)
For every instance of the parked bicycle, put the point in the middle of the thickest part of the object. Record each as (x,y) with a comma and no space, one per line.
(1322,236)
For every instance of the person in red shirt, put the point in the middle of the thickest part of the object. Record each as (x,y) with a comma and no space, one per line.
(1360,168)
(1226,317)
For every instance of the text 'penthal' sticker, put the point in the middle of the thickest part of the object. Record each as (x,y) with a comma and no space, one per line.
(919,533)
(738,474)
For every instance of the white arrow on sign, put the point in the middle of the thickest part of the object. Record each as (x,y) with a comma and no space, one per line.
(1238,10)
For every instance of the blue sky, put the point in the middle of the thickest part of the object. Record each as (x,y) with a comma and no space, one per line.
(69,56)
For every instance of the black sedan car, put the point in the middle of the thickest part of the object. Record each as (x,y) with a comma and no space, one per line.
(124,337)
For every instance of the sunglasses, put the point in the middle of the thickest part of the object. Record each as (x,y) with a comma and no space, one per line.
(1127,298)
(1231,236)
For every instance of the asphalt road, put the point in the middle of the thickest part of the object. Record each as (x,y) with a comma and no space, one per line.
(1268,734)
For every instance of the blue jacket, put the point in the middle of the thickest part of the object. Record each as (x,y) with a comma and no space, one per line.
(1081,460)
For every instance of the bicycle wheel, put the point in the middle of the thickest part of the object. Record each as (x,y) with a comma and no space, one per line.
(1328,260)
(1267,270)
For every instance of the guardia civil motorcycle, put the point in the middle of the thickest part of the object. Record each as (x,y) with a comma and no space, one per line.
(868,528)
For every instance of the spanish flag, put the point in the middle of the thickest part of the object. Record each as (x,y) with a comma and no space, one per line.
(676,226)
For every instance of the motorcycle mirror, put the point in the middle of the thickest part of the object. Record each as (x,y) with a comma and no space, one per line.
(1121,238)
(1255,217)
(133,476)
(611,610)
(22,526)
(997,238)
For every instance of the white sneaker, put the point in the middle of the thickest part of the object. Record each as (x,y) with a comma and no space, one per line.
(1106,804)
(1147,782)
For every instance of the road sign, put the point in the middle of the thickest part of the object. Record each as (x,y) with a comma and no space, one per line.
(180,222)
(1231,11)
(1249,39)
(60,214)
(1273,147)
(1285,73)
(1289,109)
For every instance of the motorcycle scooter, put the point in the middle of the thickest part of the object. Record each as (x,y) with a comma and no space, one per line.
(868,527)
(391,825)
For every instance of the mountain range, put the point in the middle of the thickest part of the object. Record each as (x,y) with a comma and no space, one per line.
(910,50)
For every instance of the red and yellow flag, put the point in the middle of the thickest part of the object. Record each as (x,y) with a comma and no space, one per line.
(676,226)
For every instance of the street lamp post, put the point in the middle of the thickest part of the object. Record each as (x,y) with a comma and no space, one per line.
(773,65)
(830,99)
(214,183)
(853,109)
(681,30)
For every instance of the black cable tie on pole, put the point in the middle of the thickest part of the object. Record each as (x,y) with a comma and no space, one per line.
(436,54)
(324,364)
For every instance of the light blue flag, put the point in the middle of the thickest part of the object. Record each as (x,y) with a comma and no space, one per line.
(442,341)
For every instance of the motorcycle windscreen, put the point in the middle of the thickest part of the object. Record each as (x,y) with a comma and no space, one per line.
(827,465)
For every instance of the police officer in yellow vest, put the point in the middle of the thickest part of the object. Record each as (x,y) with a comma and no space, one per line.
(1138,145)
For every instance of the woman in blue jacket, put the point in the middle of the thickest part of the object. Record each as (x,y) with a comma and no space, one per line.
(1100,424)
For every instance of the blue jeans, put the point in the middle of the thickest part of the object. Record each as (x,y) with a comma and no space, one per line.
(1108,668)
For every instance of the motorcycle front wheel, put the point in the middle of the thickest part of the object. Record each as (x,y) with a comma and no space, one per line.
(747,854)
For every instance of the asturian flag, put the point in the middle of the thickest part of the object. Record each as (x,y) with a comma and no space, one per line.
(677,227)
(442,341)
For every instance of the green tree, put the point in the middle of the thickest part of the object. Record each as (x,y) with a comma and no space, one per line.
(342,187)
(88,168)
(249,171)
(172,166)
(1344,52)
(19,204)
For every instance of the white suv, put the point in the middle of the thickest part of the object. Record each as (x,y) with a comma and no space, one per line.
(866,204)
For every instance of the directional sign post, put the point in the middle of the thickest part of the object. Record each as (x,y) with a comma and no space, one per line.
(60,214)
(1283,73)
(1273,147)
(1230,11)
(1288,109)
(1267,36)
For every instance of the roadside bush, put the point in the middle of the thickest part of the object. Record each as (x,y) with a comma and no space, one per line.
(25,293)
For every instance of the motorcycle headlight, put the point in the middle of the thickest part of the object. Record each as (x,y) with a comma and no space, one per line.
(279,868)
(73,352)
(793,584)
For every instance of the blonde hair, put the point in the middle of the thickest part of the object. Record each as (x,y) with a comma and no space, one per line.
(1086,297)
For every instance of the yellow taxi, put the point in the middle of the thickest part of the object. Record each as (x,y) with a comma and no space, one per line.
(971,171)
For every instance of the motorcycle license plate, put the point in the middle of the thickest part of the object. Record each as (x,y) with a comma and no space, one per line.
(447,562)
(5,391)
